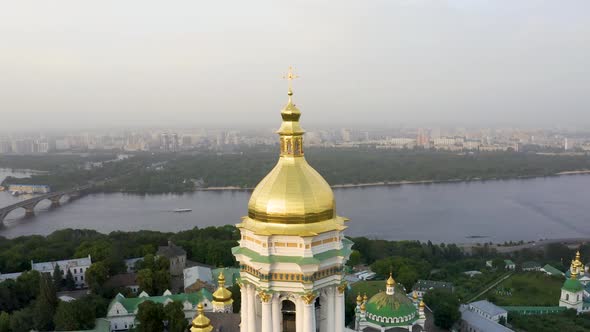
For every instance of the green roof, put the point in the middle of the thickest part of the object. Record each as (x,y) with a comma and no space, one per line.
(231,274)
(552,271)
(525,310)
(131,304)
(572,285)
(316,259)
(391,306)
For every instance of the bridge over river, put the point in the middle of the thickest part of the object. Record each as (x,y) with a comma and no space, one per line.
(30,204)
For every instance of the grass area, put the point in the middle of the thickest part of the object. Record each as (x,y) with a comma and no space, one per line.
(527,289)
(566,321)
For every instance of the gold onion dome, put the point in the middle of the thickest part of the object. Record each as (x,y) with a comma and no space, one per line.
(422,304)
(293,193)
(222,294)
(365,297)
(415,295)
(390,281)
(201,323)
(363,307)
(359,298)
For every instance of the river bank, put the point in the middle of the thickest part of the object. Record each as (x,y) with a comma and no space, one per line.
(400,183)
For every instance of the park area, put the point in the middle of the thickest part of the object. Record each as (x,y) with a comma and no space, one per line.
(527,289)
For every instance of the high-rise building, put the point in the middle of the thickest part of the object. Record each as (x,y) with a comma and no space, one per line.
(292,250)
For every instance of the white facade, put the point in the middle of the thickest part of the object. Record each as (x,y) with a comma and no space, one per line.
(76,266)
(291,281)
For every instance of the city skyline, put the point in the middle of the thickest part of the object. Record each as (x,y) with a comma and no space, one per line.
(69,65)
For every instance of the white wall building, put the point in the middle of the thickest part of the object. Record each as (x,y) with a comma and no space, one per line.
(77,267)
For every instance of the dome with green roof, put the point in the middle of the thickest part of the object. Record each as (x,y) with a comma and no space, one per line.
(573,285)
(391,310)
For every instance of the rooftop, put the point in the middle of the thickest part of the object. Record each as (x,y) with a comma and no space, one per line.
(63,264)
(488,307)
(171,250)
(132,303)
(481,323)
(424,285)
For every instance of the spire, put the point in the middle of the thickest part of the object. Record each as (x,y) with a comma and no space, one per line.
(390,281)
(291,132)
(201,323)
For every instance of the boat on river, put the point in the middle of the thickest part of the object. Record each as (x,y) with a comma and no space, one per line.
(182,210)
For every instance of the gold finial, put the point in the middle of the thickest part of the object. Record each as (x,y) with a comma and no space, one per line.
(365,297)
(415,295)
(290,77)
(390,281)
(221,279)
(363,307)
(359,298)
(421,304)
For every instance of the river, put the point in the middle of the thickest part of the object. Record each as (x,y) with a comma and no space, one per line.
(505,210)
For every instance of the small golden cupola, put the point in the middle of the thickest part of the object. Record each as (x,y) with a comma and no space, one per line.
(222,297)
(201,323)
(293,193)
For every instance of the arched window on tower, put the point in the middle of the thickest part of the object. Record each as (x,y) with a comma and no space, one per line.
(567,297)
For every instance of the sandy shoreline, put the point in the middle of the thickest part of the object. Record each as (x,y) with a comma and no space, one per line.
(400,183)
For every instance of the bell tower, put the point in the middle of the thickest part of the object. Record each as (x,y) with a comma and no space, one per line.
(292,249)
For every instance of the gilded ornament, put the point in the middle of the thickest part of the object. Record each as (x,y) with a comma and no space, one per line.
(264,296)
(342,287)
(309,297)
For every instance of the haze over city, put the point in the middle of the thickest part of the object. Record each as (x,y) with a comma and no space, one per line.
(72,64)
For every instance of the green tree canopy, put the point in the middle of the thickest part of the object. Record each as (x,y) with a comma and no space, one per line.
(174,315)
(150,317)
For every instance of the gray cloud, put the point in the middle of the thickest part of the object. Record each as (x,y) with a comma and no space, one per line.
(70,63)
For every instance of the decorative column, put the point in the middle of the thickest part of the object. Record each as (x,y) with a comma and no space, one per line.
(339,312)
(265,298)
(298,315)
(276,313)
(244,308)
(251,308)
(309,312)
(331,309)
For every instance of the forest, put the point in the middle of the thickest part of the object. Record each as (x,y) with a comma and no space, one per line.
(184,172)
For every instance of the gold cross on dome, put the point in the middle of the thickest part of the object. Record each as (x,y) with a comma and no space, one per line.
(290,77)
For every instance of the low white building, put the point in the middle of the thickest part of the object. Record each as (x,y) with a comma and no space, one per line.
(77,267)
(476,318)
(122,311)
(12,276)
(488,310)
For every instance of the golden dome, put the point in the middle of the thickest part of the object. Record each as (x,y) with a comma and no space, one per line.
(222,294)
(422,304)
(201,323)
(293,192)
(359,298)
(363,307)
(390,281)
(415,295)
(365,297)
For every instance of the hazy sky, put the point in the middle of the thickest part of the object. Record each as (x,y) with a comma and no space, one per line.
(195,63)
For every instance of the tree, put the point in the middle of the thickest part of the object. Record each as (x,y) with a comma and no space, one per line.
(150,317)
(4,322)
(70,283)
(75,315)
(355,258)
(145,279)
(96,275)
(46,304)
(22,320)
(445,306)
(174,315)
(498,263)
(57,278)
(161,281)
